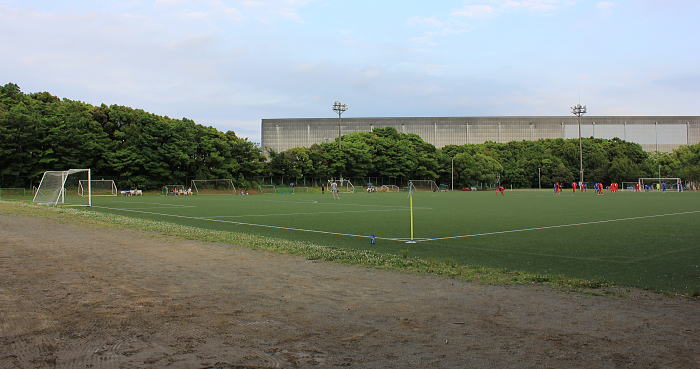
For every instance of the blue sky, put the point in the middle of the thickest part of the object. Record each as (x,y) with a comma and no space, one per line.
(230,63)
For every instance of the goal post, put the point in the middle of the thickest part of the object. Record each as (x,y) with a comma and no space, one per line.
(100,187)
(213,187)
(661,184)
(423,185)
(267,188)
(389,188)
(629,186)
(344,185)
(65,188)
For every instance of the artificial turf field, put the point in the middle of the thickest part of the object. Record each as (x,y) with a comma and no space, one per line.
(647,240)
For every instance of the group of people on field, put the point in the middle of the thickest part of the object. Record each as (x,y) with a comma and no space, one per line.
(598,187)
(182,192)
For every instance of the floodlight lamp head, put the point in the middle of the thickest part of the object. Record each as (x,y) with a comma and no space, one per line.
(339,107)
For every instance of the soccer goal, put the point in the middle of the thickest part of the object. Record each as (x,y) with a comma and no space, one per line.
(661,184)
(344,185)
(267,188)
(213,187)
(173,190)
(629,186)
(423,185)
(100,187)
(63,187)
(389,188)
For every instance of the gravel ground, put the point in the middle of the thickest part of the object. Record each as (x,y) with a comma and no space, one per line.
(77,296)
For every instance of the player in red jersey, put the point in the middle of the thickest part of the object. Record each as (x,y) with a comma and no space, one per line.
(573,185)
(500,190)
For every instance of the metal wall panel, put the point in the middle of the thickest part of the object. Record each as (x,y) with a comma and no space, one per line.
(662,133)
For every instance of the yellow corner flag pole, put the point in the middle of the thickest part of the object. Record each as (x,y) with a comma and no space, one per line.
(410,206)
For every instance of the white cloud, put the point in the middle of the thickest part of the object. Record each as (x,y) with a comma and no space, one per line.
(534,5)
(605,4)
(501,6)
(426,21)
(475,11)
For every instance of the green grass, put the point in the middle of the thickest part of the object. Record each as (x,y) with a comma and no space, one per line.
(658,253)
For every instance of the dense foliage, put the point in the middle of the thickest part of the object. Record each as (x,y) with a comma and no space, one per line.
(393,157)
(40,132)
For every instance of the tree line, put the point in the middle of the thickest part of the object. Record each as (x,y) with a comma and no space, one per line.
(39,132)
(387,154)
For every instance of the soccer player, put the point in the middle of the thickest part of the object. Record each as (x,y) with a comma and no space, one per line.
(501,190)
(636,187)
(573,186)
(334,190)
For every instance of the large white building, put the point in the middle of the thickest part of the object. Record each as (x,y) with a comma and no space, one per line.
(654,133)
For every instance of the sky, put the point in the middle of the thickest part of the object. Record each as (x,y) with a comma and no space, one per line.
(231,63)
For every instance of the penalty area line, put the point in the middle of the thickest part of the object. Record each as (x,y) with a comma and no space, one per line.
(251,224)
(556,226)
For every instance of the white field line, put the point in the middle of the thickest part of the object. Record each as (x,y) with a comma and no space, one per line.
(313,213)
(251,224)
(156,203)
(557,226)
(166,207)
(316,202)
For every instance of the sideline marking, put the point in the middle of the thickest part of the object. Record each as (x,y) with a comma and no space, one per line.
(402,239)
(155,203)
(251,224)
(557,226)
(314,213)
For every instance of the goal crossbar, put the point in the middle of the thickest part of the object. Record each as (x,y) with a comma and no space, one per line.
(423,185)
(63,187)
(100,187)
(343,185)
(213,186)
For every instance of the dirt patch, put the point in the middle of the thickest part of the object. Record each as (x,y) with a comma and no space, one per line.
(79,296)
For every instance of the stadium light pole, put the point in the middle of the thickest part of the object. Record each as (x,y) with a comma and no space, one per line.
(339,108)
(453,174)
(539,178)
(578,111)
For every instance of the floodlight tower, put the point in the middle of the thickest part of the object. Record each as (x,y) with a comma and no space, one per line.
(339,108)
(578,111)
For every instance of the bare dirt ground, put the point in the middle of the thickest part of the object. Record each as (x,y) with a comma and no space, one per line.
(90,297)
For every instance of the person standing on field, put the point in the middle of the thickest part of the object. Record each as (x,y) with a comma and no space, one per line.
(334,190)
(573,186)
(501,190)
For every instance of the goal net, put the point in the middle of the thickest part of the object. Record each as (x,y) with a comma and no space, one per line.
(213,187)
(660,184)
(100,187)
(173,190)
(423,185)
(344,185)
(389,188)
(629,186)
(267,188)
(63,187)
